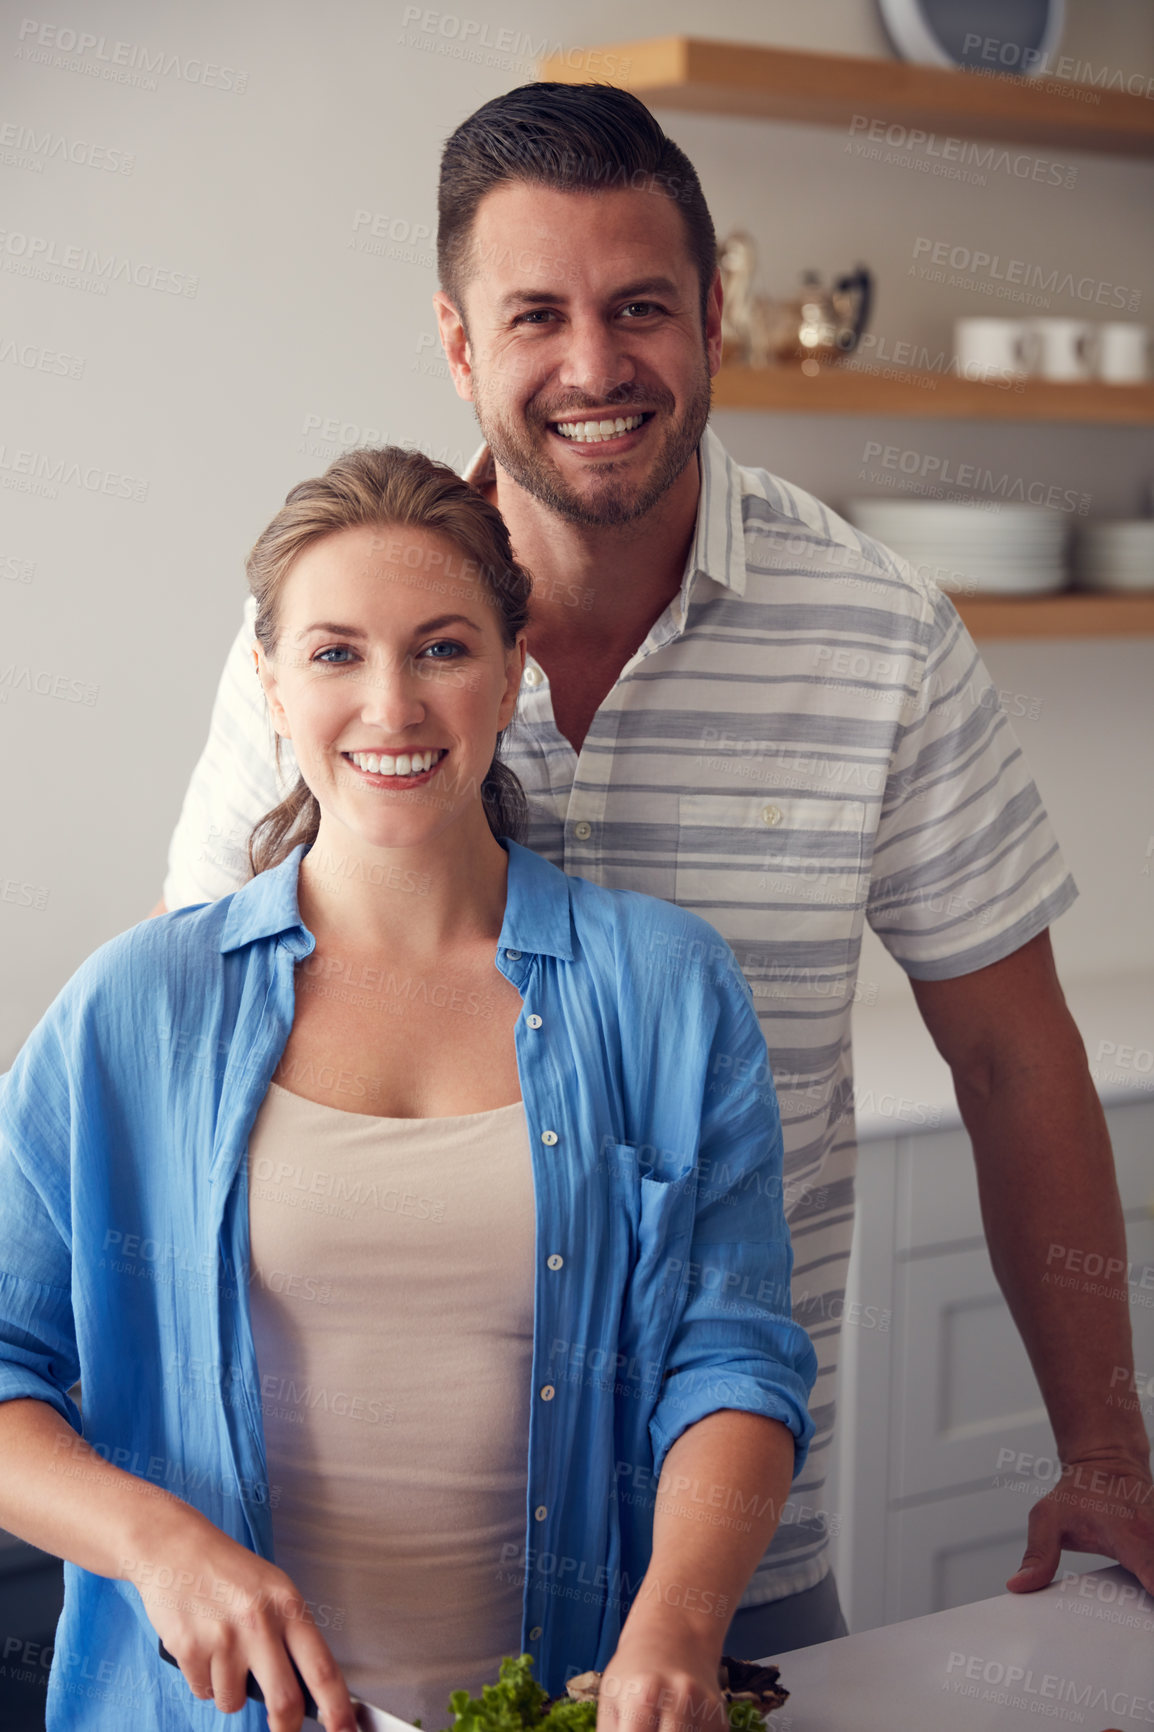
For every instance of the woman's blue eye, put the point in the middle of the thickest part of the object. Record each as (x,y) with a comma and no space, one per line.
(340,655)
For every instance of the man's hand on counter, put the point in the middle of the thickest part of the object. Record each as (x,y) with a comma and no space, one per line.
(1100,1505)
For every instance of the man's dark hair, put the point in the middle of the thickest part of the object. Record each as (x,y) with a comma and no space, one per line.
(574,138)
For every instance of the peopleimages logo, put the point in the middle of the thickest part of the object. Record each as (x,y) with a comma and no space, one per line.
(971,478)
(1012,279)
(475,40)
(949,157)
(45,257)
(24,147)
(38,472)
(1003,56)
(69,50)
(1007,1684)
(40,360)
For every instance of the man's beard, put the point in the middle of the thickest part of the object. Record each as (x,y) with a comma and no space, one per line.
(613,501)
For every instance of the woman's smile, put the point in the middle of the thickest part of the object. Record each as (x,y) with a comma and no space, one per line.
(404,769)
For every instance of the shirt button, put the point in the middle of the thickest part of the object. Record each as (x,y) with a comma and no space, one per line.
(535,1633)
(548,1392)
(513,955)
(582,831)
(540,1513)
(771,814)
(549,1137)
(532,676)
(533,1021)
(555,1261)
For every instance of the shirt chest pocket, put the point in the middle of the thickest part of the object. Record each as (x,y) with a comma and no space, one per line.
(663,1207)
(781,879)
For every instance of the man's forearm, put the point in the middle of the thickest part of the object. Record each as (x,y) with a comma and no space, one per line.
(720,1497)
(1050,1202)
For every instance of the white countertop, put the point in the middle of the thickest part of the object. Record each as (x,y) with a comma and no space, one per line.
(1079,1653)
(902,1085)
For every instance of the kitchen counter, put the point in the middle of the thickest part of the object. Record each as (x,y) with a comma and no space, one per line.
(1079,1653)
(902,1085)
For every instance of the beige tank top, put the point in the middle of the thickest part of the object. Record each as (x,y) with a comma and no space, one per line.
(392,1310)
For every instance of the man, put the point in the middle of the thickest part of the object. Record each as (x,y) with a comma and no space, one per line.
(681,732)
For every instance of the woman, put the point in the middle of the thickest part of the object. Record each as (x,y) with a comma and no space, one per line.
(406,1216)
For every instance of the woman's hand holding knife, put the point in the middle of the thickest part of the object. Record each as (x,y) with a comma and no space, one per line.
(221,1610)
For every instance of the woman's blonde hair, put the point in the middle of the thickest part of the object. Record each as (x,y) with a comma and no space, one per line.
(393,488)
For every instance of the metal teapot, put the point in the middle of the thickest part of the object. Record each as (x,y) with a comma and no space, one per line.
(819,325)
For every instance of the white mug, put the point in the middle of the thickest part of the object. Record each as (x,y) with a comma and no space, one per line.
(1123,353)
(990,349)
(1061,349)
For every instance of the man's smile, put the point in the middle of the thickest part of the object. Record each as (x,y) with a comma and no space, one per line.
(616,430)
(591,429)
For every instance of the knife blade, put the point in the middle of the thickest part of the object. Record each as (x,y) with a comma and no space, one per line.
(371,1719)
(368,1718)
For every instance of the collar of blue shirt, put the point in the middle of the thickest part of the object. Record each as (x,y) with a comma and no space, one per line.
(537,920)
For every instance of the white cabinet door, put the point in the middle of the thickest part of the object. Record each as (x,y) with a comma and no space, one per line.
(937,1193)
(935,1413)
(964,1396)
(964,1391)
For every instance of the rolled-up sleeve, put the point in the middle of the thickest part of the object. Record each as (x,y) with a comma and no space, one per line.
(38,1354)
(735,1344)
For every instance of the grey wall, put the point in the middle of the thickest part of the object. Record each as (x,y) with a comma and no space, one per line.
(244,317)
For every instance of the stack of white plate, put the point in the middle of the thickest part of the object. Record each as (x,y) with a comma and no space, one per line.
(1117,555)
(971,549)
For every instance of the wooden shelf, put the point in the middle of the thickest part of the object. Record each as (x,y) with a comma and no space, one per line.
(736,78)
(1054,616)
(850,390)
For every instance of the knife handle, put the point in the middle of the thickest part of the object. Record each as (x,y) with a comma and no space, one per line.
(253,1690)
